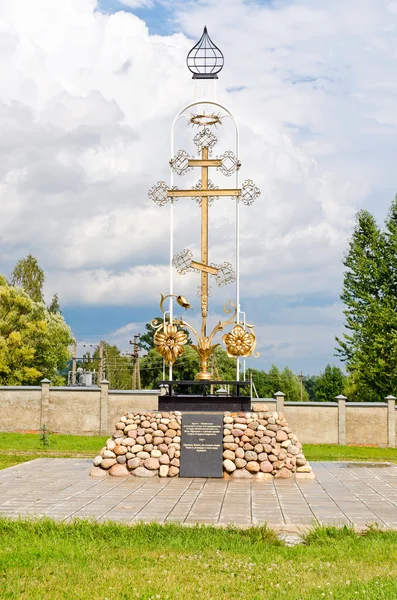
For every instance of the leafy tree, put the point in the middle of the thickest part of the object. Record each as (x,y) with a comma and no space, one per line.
(369,347)
(33,342)
(267,384)
(117,368)
(329,384)
(28,275)
(54,305)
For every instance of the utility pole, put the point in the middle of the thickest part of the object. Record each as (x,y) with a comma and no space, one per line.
(301,384)
(74,362)
(136,372)
(100,368)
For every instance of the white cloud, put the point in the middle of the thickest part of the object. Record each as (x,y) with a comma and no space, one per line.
(87,103)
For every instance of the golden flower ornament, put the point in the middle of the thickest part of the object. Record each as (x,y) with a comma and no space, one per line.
(239,342)
(169,341)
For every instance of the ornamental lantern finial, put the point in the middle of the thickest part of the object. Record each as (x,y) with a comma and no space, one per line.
(205,60)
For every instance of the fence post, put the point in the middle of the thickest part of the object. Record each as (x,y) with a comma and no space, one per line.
(391,421)
(45,403)
(279,396)
(341,419)
(104,407)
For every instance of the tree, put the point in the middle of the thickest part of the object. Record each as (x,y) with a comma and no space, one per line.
(329,384)
(34,343)
(54,305)
(28,275)
(309,381)
(117,368)
(369,347)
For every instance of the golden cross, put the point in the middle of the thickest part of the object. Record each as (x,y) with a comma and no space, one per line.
(205,193)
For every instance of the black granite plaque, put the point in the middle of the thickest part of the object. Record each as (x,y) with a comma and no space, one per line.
(202,445)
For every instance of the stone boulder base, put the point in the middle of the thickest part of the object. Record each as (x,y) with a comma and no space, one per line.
(259,446)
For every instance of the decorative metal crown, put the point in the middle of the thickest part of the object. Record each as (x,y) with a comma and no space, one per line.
(205,60)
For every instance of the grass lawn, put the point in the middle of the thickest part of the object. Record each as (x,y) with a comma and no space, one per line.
(329,452)
(43,560)
(20,447)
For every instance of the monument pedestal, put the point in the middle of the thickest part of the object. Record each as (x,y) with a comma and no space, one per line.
(182,396)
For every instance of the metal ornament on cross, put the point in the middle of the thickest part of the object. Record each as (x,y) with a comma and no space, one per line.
(205,61)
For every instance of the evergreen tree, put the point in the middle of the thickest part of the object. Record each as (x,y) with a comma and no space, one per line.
(369,347)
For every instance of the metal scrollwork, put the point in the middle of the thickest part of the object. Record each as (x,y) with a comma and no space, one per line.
(179,163)
(249,192)
(205,139)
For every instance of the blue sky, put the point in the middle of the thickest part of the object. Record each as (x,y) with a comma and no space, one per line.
(89,93)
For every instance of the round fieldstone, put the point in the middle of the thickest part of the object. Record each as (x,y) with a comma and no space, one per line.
(252,466)
(108,462)
(229,466)
(118,470)
(239,452)
(241,474)
(143,472)
(240,426)
(136,448)
(121,459)
(133,463)
(173,425)
(141,440)
(229,454)
(98,472)
(152,464)
(119,450)
(97,461)
(250,455)
(237,433)
(164,459)
(110,444)
(230,446)
(293,449)
(240,463)
(173,472)
(258,448)
(171,451)
(120,425)
(228,420)
(283,473)
(143,455)
(155,453)
(304,469)
(108,454)
(270,434)
(163,472)
(253,425)
(281,436)
(175,462)
(266,466)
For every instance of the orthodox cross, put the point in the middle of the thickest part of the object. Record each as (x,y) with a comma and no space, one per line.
(205,194)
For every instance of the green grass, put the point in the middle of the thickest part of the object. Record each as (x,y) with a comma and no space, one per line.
(47,560)
(21,447)
(27,442)
(18,447)
(326,452)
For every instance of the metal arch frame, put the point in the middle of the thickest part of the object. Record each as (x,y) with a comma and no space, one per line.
(180,115)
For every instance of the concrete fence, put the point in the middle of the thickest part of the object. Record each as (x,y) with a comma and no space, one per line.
(95,410)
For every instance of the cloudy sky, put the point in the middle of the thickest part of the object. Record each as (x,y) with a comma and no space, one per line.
(88,92)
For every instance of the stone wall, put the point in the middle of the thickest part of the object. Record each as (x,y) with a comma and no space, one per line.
(89,411)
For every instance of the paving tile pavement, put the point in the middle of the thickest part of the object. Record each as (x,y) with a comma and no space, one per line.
(355,494)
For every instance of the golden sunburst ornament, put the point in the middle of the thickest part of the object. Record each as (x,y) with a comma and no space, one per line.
(169,341)
(239,342)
